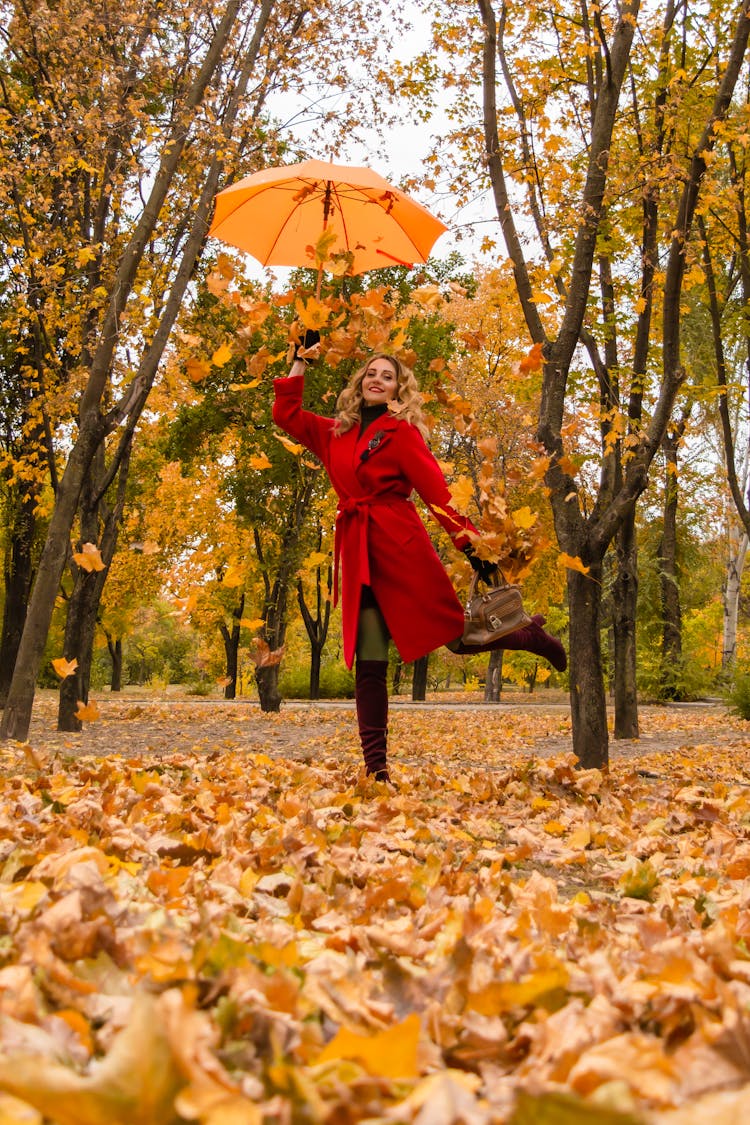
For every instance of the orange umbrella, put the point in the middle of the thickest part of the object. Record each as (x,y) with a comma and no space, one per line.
(279,214)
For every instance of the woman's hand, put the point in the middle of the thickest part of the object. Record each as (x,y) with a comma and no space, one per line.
(487,571)
(310,340)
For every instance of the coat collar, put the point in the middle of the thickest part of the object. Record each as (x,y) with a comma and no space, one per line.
(377,434)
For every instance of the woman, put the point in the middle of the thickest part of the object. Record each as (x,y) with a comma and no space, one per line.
(393,583)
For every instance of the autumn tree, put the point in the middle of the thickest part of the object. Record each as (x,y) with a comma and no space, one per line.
(116,135)
(609,186)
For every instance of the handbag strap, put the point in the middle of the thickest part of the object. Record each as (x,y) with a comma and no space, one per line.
(475,580)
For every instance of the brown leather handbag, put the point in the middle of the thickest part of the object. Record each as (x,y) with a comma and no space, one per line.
(494,614)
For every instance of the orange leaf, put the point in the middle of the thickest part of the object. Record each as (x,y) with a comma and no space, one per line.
(572,563)
(259,462)
(387,1054)
(197,370)
(289,444)
(533,359)
(262,656)
(221,356)
(87,712)
(63,667)
(88,558)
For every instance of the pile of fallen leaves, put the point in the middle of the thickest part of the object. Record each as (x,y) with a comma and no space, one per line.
(227,937)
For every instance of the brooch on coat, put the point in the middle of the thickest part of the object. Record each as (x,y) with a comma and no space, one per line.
(372,445)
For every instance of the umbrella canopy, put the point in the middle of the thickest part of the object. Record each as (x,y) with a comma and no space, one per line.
(278,214)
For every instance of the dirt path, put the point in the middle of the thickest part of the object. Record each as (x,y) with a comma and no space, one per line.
(468,732)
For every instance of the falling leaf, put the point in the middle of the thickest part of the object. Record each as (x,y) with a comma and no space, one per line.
(533,359)
(244,386)
(427,296)
(197,370)
(524,517)
(135,1083)
(252,622)
(639,881)
(313,313)
(572,563)
(63,667)
(221,356)
(87,712)
(262,656)
(290,445)
(462,494)
(259,461)
(89,558)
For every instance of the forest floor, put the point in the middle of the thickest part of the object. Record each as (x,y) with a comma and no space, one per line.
(459,726)
(209,914)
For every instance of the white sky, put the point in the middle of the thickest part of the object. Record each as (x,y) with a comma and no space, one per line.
(409,143)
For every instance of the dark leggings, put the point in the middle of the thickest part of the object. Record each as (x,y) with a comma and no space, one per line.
(372,632)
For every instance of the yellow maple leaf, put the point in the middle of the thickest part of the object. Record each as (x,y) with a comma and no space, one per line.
(289,444)
(87,712)
(244,386)
(427,296)
(572,563)
(387,1054)
(323,248)
(252,622)
(221,356)
(462,493)
(197,370)
(259,462)
(216,284)
(524,517)
(312,313)
(89,558)
(63,667)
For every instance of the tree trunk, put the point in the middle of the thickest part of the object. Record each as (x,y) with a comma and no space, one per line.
(317,626)
(493,684)
(671,646)
(397,670)
(20,701)
(267,680)
(624,612)
(18,576)
(231,641)
(98,357)
(114,647)
(587,694)
(316,653)
(419,678)
(731,597)
(80,630)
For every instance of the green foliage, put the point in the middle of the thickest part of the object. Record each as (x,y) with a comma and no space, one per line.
(161,649)
(737,696)
(336,681)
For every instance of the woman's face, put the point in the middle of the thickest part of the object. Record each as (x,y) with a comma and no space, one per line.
(380,382)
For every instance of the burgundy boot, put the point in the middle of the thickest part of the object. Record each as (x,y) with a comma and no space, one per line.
(371,696)
(529,638)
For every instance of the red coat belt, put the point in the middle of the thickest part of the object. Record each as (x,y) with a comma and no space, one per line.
(356,508)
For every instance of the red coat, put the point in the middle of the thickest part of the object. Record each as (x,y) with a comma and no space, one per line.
(380,539)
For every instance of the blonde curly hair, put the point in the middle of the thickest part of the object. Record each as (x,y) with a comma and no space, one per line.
(409,400)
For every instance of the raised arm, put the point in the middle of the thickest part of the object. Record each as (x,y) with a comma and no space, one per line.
(421,469)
